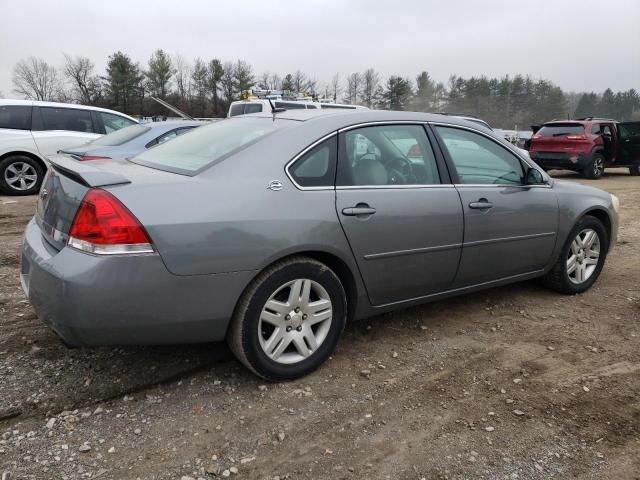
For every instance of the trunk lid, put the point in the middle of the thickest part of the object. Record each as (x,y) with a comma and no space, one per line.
(63,189)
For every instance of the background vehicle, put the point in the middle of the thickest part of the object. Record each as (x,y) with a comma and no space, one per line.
(587,146)
(259,103)
(31,131)
(131,140)
(271,233)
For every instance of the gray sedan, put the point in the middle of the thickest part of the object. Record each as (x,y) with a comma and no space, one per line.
(132,140)
(273,231)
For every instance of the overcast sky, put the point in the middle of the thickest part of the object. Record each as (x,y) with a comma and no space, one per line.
(579,45)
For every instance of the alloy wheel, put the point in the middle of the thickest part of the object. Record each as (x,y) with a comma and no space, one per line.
(598,167)
(295,321)
(20,176)
(583,256)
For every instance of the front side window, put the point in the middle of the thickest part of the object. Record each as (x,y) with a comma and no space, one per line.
(479,160)
(317,167)
(114,122)
(387,155)
(67,119)
(17,117)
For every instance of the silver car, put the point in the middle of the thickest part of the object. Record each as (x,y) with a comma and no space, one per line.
(129,141)
(273,231)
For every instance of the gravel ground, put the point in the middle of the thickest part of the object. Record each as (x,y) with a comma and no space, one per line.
(513,382)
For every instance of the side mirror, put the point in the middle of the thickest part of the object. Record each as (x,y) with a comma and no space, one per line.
(534,177)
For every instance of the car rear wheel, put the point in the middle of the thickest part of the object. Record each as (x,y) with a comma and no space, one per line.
(634,170)
(20,175)
(289,320)
(581,259)
(595,168)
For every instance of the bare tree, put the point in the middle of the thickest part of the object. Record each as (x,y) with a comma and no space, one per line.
(182,77)
(299,81)
(335,87)
(276,82)
(370,84)
(86,87)
(36,79)
(354,81)
(228,82)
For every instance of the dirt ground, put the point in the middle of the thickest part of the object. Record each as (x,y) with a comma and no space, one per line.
(514,382)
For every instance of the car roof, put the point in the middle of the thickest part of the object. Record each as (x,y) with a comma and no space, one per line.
(175,123)
(343,118)
(9,101)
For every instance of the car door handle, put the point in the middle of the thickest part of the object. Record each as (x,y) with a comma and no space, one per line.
(358,210)
(481,204)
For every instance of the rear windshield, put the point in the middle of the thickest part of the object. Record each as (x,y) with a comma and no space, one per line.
(561,129)
(122,136)
(190,154)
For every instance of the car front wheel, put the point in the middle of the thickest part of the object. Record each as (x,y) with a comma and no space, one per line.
(289,320)
(20,175)
(581,259)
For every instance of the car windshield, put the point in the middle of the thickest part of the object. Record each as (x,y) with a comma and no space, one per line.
(190,154)
(561,129)
(120,137)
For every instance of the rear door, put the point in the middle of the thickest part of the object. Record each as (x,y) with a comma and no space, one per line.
(629,143)
(510,228)
(57,128)
(400,213)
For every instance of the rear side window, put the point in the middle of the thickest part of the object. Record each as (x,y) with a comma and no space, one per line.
(114,122)
(317,167)
(67,119)
(252,108)
(121,137)
(561,130)
(189,154)
(237,109)
(290,105)
(386,155)
(337,107)
(17,117)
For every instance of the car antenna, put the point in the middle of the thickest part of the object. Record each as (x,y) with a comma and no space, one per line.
(275,109)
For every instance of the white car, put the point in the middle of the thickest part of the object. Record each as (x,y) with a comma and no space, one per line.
(30,131)
(245,107)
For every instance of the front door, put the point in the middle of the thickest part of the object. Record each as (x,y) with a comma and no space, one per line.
(629,143)
(510,227)
(403,223)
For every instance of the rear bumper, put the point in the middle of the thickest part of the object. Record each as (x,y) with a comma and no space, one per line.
(560,160)
(130,299)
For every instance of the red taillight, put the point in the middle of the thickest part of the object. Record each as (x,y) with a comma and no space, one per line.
(103,225)
(91,157)
(576,137)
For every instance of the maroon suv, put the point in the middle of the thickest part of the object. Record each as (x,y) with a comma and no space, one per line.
(587,145)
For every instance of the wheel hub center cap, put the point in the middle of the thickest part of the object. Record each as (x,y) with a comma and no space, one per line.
(296,319)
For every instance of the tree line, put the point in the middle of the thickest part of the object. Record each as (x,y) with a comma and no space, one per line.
(204,88)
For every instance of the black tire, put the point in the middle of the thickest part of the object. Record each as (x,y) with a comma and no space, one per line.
(5,172)
(243,334)
(558,279)
(595,168)
(634,170)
